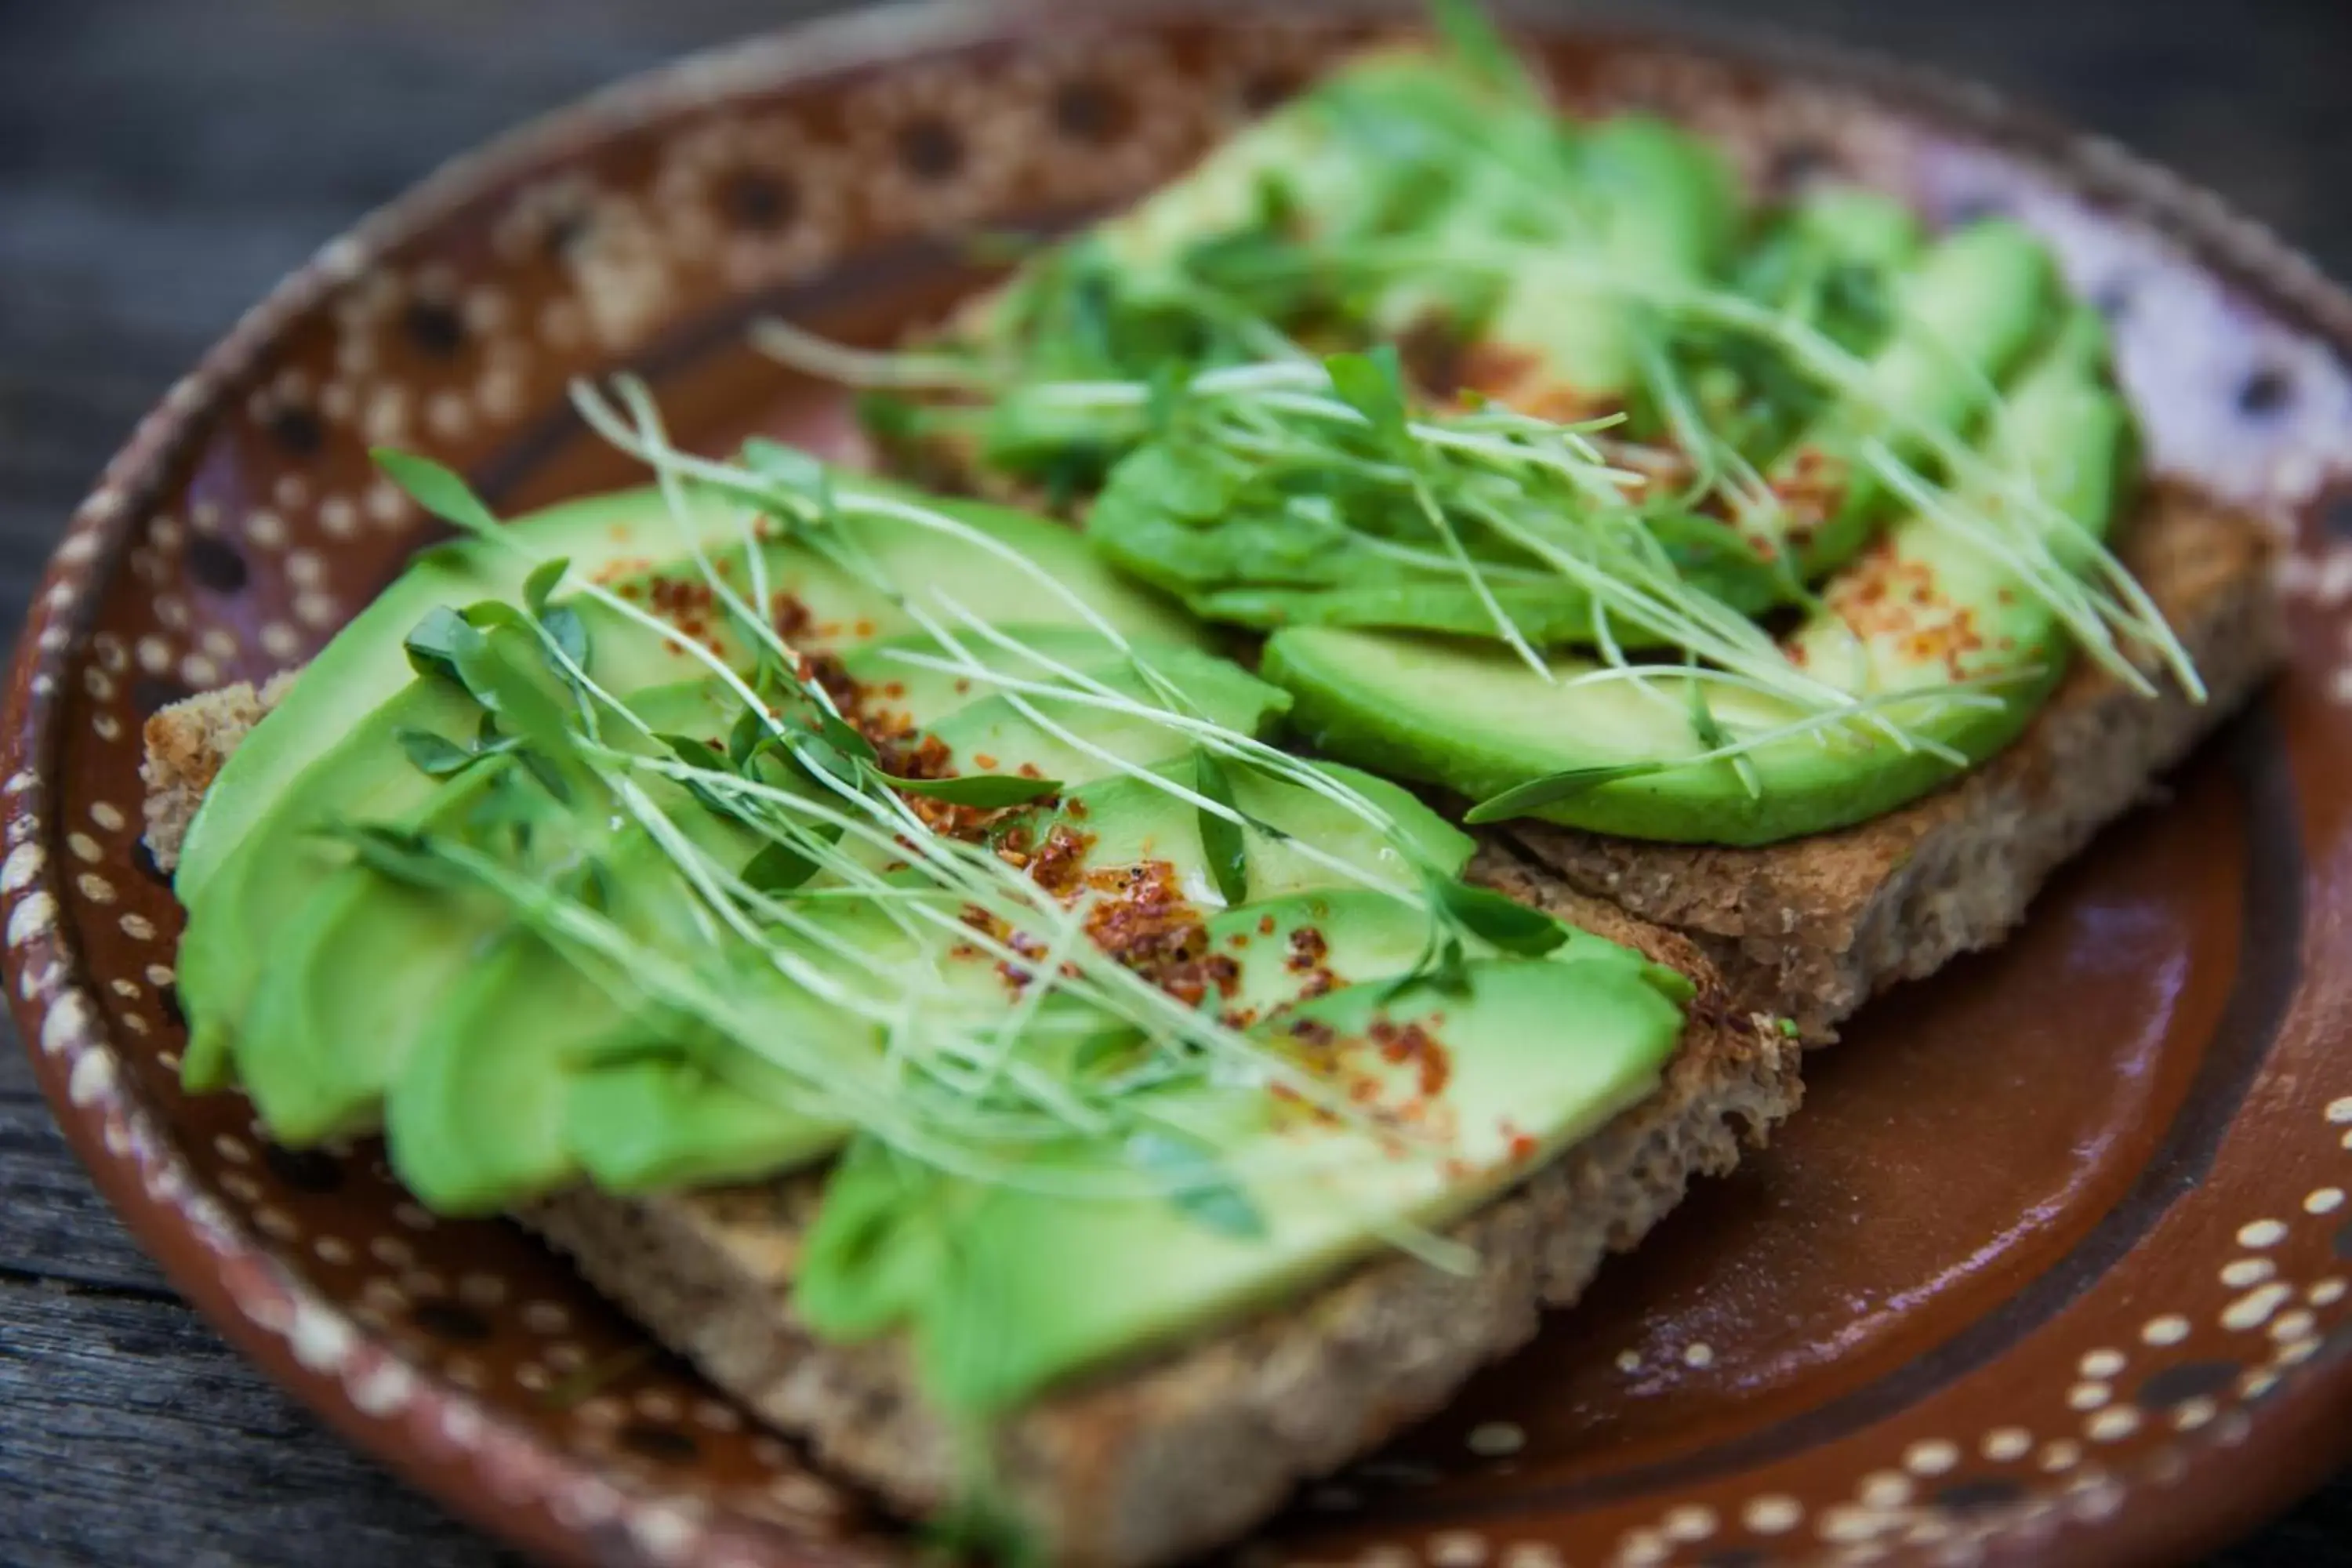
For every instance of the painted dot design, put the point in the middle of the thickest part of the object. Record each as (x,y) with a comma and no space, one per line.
(246,539)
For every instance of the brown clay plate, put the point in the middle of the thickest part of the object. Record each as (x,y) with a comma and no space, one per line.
(2052,1267)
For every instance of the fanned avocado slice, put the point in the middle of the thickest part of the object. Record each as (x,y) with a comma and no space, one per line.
(993,734)
(1473,1091)
(317,1050)
(1124,820)
(889,681)
(1923,609)
(1973,308)
(323,764)
(231,927)
(632,536)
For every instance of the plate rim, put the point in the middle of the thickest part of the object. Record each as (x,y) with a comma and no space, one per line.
(349,1375)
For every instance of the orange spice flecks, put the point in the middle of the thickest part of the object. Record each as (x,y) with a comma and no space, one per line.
(1058,865)
(1811,489)
(1141,918)
(1899,604)
(789,617)
(1305,958)
(1410,1045)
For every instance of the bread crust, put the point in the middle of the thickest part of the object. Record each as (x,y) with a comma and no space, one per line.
(186,745)
(1812,928)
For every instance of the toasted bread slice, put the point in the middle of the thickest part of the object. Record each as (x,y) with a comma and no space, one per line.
(186,745)
(1812,928)
(1155,1460)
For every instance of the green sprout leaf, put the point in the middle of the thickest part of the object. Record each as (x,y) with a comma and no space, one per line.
(541,584)
(777,868)
(988,791)
(569,633)
(845,739)
(550,777)
(745,739)
(1535,793)
(437,489)
(437,642)
(434,755)
(1200,1187)
(1503,921)
(696,753)
(407,857)
(1221,837)
(1373,385)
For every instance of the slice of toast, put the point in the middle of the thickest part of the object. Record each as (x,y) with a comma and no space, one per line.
(1193,1445)
(1812,928)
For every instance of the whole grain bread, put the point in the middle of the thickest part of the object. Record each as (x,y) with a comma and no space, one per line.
(1149,1462)
(1812,928)
(186,744)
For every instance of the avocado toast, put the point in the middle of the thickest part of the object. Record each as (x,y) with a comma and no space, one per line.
(1783,574)
(978,988)
(964,1036)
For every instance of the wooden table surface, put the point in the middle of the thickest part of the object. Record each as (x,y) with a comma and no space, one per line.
(163,162)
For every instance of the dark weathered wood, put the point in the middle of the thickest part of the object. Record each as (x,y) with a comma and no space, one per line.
(53,1225)
(163,162)
(135,1436)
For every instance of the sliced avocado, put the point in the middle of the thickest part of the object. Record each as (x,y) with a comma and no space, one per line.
(1308,545)
(1975,305)
(1302,944)
(479,1114)
(821,580)
(1662,208)
(1124,820)
(923,696)
(623,536)
(665,1122)
(365,663)
(1921,610)
(317,1052)
(364,777)
(474,1118)
(1481,1087)
(992,735)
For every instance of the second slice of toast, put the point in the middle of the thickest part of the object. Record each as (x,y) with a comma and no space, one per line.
(1812,928)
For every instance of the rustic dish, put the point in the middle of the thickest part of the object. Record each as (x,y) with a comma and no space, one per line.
(2054,1266)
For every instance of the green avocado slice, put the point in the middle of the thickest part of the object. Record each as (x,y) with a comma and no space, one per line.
(669,1117)
(1663,207)
(888,682)
(1971,309)
(317,1052)
(1128,821)
(365,663)
(991,734)
(631,537)
(1269,1199)
(666,1123)
(492,1103)
(1925,608)
(364,777)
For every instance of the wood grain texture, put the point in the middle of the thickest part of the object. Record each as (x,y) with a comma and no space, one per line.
(162,162)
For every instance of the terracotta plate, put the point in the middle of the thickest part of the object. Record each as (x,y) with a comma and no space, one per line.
(2054,1264)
